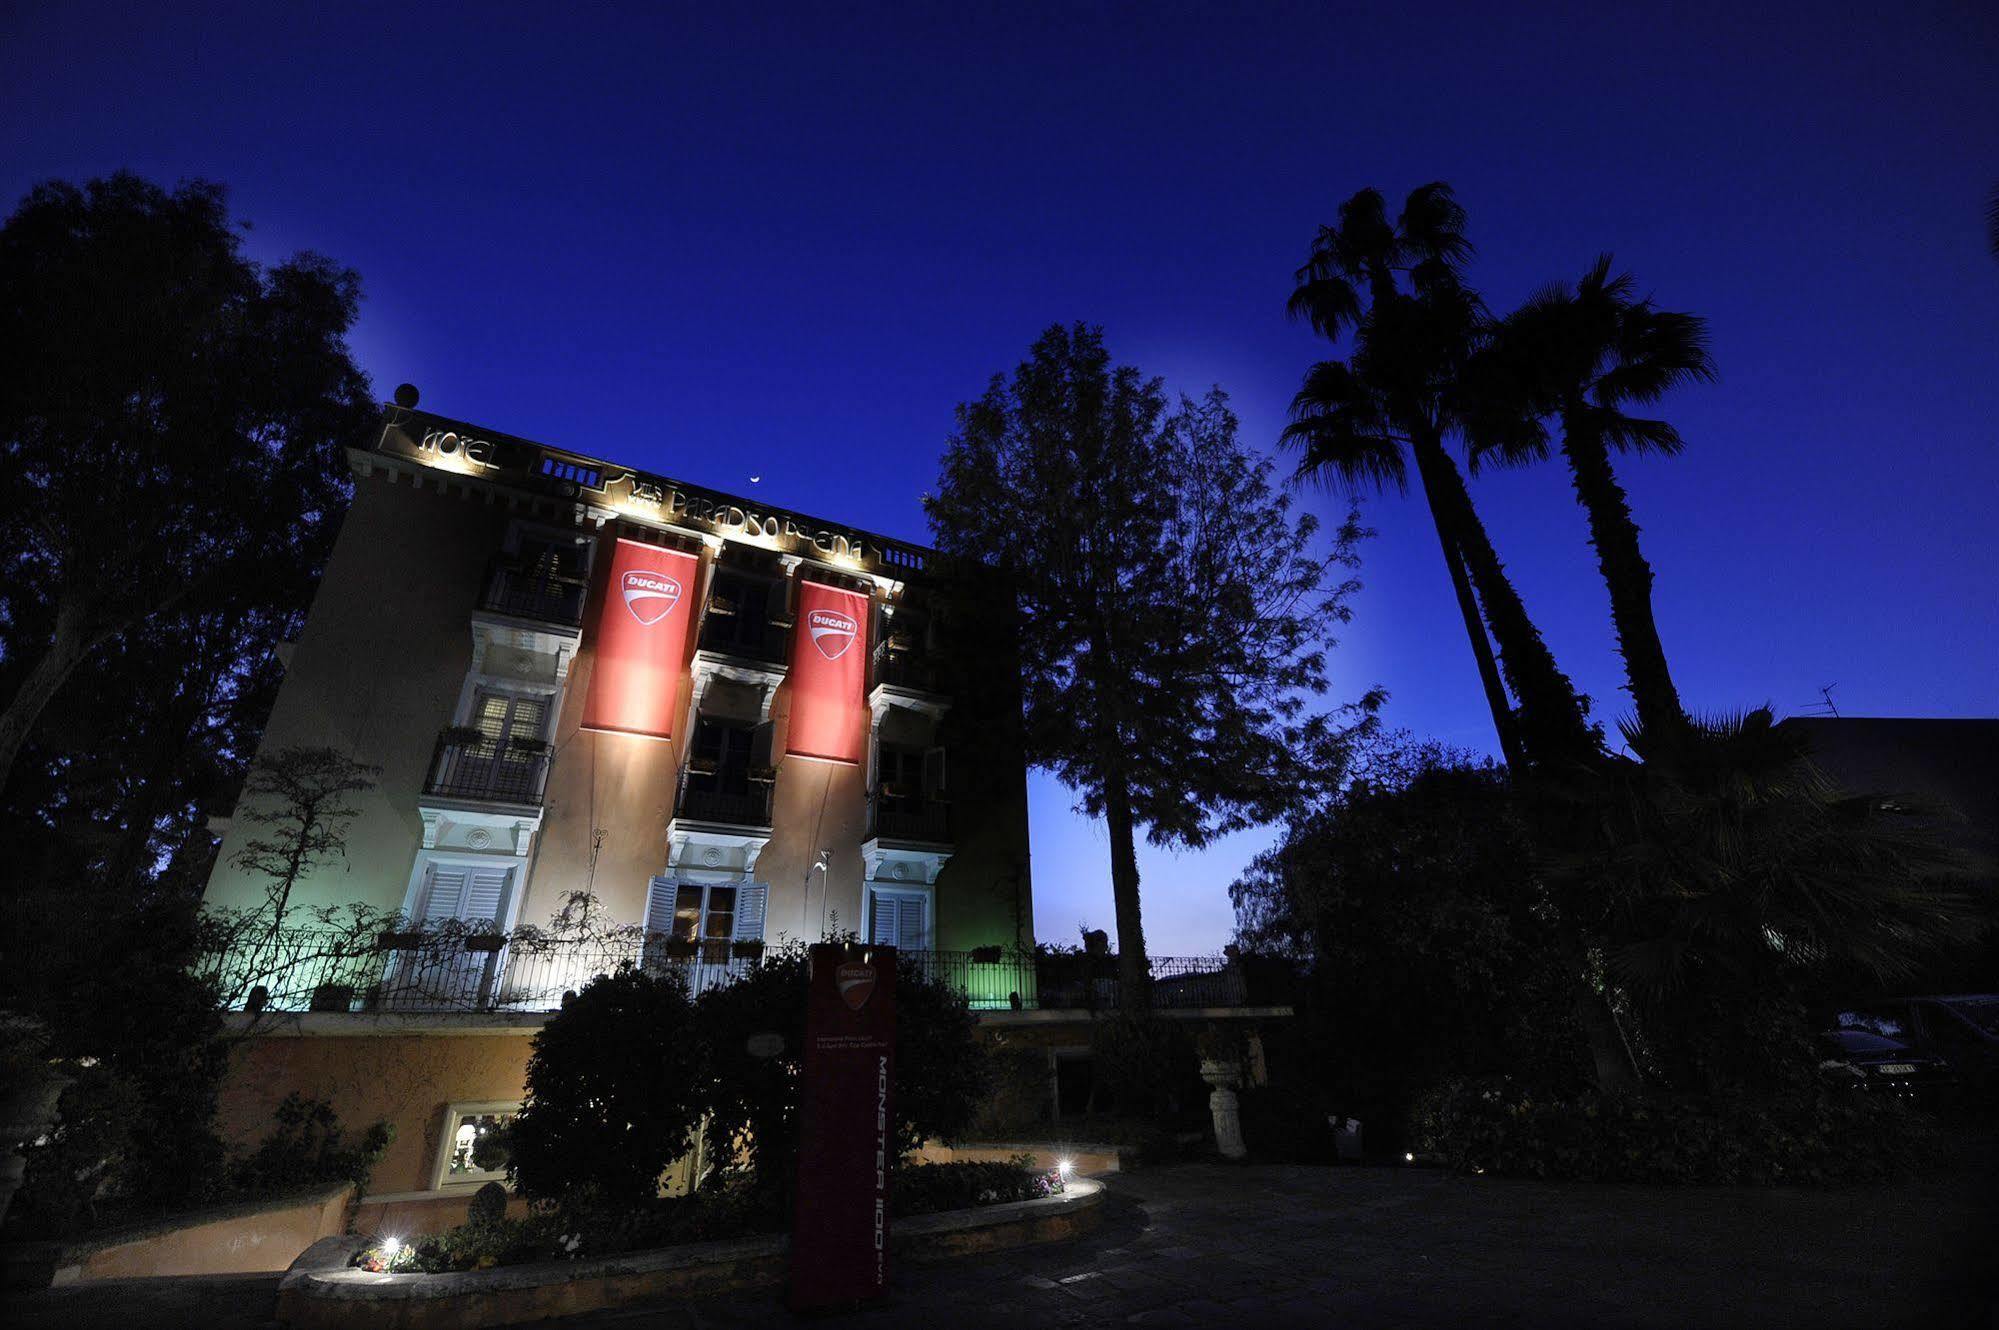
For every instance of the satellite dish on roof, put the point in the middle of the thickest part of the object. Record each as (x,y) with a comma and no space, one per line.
(406,395)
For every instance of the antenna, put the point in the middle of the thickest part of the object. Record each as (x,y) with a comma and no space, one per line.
(1825,706)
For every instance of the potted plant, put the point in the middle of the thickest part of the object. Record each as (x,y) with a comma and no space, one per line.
(986,955)
(332,997)
(485,941)
(681,949)
(400,939)
(748,949)
(703,766)
(527,745)
(721,605)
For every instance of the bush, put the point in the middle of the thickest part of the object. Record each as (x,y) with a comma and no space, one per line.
(928,1188)
(1142,1066)
(1018,1085)
(941,1071)
(488,1205)
(308,1148)
(1496,1125)
(613,1091)
(1286,1125)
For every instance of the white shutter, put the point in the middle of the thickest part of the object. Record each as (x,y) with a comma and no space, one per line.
(750,912)
(882,927)
(486,895)
(443,893)
(909,930)
(470,895)
(659,907)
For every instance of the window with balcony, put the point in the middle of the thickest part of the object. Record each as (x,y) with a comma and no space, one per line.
(908,801)
(728,774)
(543,575)
(714,927)
(741,618)
(501,753)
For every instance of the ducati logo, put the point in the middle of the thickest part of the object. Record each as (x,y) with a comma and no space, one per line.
(650,596)
(856,983)
(832,632)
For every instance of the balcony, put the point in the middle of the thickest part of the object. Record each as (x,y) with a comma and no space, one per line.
(534,594)
(911,671)
(722,798)
(729,634)
(927,821)
(453,970)
(469,767)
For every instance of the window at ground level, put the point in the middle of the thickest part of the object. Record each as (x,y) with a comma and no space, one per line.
(464,1125)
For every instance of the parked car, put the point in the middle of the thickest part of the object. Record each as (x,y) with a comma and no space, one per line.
(1960,1029)
(1873,1064)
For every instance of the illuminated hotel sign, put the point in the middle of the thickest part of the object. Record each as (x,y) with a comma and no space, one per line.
(453,446)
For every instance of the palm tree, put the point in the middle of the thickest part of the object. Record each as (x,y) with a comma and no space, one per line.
(1396,289)
(1582,356)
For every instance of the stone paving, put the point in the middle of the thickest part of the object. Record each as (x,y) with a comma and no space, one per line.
(1220,1245)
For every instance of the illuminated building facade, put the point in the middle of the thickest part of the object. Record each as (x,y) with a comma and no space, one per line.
(677,723)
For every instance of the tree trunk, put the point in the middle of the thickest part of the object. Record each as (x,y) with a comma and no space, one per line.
(68,645)
(1614,534)
(1481,645)
(1616,1073)
(1550,715)
(1134,970)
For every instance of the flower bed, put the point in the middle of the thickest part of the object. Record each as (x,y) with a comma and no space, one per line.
(577,1230)
(324,1291)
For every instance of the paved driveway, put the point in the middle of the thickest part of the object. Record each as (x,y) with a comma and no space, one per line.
(1245,1248)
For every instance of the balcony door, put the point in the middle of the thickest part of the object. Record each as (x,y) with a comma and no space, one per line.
(694,927)
(454,902)
(723,766)
(513,727)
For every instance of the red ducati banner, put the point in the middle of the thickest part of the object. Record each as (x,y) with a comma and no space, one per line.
(641,640)
(829,674)
(839,1232)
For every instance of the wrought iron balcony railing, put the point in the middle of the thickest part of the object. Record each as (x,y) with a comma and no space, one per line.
(731,798)
(531,593)
(912,819)
(319,970)
(485,770)
(911,670)
(729,633)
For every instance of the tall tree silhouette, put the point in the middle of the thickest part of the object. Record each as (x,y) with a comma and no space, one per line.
(171,419)
(1174,611)
(1394,291)
(1580,356)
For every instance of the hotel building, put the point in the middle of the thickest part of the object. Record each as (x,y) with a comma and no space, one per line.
(656,722)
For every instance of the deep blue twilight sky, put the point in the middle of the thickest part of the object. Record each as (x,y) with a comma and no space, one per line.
(787,240)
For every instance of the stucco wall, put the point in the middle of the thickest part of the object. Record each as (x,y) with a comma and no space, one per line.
(238,1239)
(376,674)
(405,1080)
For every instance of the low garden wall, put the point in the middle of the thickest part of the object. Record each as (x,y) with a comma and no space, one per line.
(324,1291)
(236,1239)
(1086,1160)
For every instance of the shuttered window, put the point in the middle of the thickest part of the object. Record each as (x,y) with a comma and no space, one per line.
(899,919)
(691,912)
(470,895)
